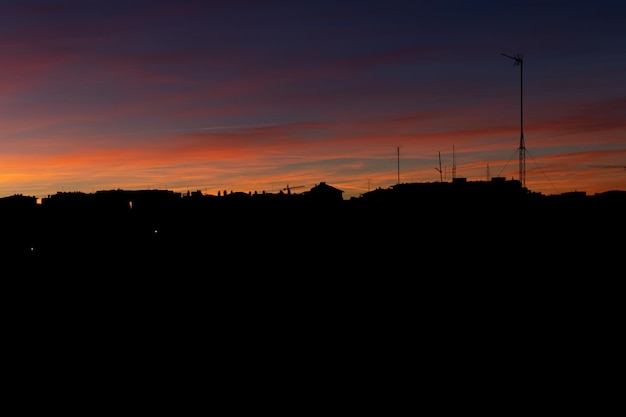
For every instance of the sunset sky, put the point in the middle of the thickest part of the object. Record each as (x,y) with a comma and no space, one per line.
(244,95)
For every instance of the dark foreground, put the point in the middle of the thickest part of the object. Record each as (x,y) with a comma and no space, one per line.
(394,240)
(359,297)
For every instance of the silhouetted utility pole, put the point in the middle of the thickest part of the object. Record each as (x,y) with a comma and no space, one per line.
(439,169)
(519,60)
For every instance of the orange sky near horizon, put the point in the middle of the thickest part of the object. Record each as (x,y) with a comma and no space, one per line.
(214,162)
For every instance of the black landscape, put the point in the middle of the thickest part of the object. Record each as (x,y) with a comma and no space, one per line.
(461,271)
(490,228)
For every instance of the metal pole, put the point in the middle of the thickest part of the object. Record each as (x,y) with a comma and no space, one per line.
(522,147)
(519,60)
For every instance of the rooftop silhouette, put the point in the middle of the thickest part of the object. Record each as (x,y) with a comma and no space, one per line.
(399,227)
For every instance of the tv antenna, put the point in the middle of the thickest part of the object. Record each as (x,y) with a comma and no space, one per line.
(288,188)
(519,60)
(439,169)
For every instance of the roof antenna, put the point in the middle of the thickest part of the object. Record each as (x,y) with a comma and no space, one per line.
(519,60)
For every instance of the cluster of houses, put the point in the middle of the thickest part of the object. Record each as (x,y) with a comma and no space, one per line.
(457,192)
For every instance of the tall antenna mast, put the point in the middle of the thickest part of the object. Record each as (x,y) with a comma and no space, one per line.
(519,60)
(439,169)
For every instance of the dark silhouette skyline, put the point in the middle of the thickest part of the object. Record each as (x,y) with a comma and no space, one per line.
(447,225)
